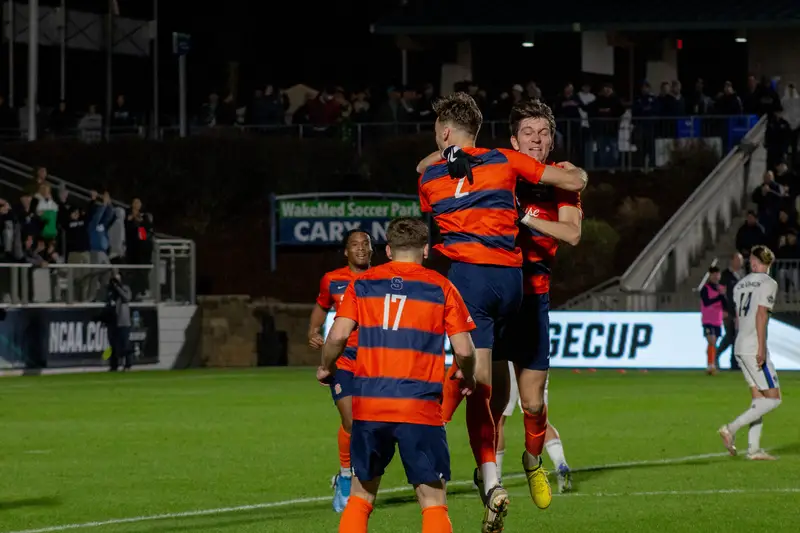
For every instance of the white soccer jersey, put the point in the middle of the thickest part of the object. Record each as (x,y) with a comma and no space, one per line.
(754,290)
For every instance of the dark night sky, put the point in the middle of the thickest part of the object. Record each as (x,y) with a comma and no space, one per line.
(287,43)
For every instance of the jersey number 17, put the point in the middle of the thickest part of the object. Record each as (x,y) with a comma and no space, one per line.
(744,303)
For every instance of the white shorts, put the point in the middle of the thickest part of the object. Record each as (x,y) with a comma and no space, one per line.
(513,395)
(762,378)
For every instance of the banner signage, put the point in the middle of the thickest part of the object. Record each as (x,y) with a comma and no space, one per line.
(71,336)
(325,222)
(645,341)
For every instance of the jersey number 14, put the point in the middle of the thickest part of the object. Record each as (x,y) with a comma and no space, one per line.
(744,303)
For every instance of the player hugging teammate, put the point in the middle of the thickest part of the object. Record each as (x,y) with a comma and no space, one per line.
(473,196)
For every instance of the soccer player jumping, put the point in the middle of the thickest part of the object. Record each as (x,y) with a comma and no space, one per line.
(472,196)
(358,251)
(754,297)
(403,312)
(551,216)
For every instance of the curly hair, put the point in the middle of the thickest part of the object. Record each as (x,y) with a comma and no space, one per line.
(530,109)
(459,110)
(407,233)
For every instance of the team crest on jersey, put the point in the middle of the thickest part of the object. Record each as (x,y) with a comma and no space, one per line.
(337,388)
(396,283)
(771,299)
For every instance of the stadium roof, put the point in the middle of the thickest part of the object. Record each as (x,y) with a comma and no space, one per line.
(519,16)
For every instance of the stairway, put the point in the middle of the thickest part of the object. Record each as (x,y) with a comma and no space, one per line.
(722,251)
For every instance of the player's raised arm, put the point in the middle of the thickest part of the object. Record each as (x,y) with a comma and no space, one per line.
(429,160)
(568,226)
(565,176)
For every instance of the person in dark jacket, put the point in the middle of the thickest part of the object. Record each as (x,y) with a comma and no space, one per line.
(118,311)
(139,246)
(750,234)
(99,217)
(645,110)
(730,277)
(604,119)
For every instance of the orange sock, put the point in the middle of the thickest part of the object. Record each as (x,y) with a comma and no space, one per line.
(436,520)
(344,448)
(451,395)
(480,425)
(712,355)
(535,430)
(355,516)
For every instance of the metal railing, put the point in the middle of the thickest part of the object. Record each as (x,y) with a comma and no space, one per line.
(666,261)
(597,143)
(93,134)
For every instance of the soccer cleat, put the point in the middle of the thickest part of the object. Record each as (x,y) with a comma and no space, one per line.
(727,439)
(538,484)
(341,492)
(496,509)
(564,477)
(478,483)
(760,455)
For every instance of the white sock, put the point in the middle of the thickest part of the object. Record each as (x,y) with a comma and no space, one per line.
(500,456)
(345,472)
(556,452)
(489,476)
(758,408)
(754,436)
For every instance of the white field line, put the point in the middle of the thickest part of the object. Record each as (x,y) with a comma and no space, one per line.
(321,499)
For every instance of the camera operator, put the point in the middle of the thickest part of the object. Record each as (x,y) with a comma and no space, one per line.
(119,322)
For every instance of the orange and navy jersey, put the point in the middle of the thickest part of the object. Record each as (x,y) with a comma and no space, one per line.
(331,291)
(538,249)
(478,221)
(403,312)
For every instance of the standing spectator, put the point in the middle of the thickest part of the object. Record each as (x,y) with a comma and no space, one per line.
(116,237)
(100,216)
(361,106)
(728,102)
(673,104)
(567,109)
(768,197)
(777,139)
(76,236)
(47,210)
(275,105)
(29,223)
(604,118)
(118,312)
(323,111)
(91,125)
(6,232)
(730,277)
(425,104)
(139,245)
(750,234)
(122,119)
(789,265)
(791,112)
(208,113)
(645,111)
(61,120)
(38,179)
(699,103)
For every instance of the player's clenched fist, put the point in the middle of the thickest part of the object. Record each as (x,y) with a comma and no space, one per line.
(324,375)
(467,382)
(315,341)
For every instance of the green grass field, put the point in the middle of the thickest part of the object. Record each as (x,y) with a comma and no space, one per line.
(112,452)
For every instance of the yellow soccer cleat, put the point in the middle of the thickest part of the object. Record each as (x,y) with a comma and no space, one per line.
(538,484)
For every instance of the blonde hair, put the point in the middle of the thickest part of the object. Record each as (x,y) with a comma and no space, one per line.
(763,254)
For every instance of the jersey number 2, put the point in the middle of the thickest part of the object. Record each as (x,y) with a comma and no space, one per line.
(387,309)
(744,303)
(459,193)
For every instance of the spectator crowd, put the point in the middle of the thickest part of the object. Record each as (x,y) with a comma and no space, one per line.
(44,229)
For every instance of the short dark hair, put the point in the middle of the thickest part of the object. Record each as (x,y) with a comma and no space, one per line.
(460,110)
(350,233)
(531,109)
(407,233)
(763,254)
(713,270)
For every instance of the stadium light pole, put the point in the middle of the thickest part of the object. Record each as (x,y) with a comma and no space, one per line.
(33,65)
(154,37)
(62,37)
(12,39)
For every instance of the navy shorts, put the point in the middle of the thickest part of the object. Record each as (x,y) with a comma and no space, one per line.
(527,339)
(708,329)
(423,450)
(493,295)
(342,385)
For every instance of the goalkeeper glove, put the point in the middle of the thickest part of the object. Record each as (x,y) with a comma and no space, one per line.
(460,163)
